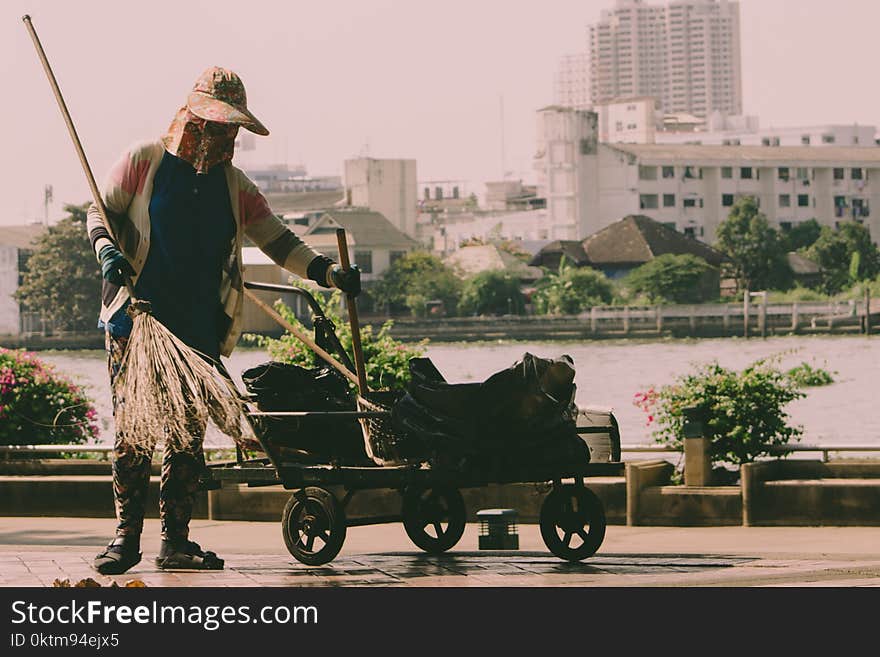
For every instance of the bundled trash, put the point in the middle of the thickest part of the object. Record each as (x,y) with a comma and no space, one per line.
(522,416)
(286,387)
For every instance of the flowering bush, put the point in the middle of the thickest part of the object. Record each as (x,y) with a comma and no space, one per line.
(742,411)
(386,359)
(37,405)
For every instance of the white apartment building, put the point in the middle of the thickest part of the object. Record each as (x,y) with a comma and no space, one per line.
(572,84)
(686,54)
(817,135)
(385,186)
(692,187)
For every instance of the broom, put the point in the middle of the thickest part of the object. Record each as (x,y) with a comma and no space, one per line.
(164,388)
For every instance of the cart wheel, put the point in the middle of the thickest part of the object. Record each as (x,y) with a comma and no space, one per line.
(313,525)
(434,518)
(572,522)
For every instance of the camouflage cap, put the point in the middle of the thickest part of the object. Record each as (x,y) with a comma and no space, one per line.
(219,95)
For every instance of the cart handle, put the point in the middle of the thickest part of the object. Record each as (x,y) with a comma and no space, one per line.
(275,287)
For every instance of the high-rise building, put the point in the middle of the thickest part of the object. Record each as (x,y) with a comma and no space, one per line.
(572,84)
(685,54)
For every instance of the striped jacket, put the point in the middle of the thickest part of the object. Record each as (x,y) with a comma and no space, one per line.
(127,193)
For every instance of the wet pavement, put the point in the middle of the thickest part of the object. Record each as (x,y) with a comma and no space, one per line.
(37,551)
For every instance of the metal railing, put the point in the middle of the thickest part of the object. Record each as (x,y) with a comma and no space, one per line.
(104,450)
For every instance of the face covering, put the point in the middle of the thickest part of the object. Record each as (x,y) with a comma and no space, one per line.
(201,143)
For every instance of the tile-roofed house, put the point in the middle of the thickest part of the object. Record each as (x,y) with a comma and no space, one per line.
(806,272)
(374,241)
(470,260)
(634,240)
(551,254)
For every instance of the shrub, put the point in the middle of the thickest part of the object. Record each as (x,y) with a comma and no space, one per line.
(742,412)
(38,406)
(386,359)
(807,376)
(495,292)
(572,290)
(681,278)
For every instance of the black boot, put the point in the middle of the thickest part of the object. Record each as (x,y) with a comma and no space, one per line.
(186,555)
(122,553)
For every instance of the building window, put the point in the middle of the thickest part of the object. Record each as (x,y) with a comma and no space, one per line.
(668,172)
(803,173)
(693,172)
(727,172)
(438,193)
(784,200)
(838,173)
(669,224)
(427,193)
(803,200)
(856,173)
(690,203)
(783,173)
(727,200)
(455,192)
(394,256)
(827,139)
(648,201)
(364,261)
(647,173)
(785,226)
(745,173)
(669,200)
(805,140)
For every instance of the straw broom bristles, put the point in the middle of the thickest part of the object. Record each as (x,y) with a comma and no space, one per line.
(165,389)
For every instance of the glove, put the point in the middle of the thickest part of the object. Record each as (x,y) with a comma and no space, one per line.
(347,280)
(114,266)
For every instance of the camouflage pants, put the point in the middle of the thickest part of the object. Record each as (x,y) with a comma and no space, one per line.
(131,473)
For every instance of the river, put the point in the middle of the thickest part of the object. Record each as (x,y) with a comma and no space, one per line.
(609,373)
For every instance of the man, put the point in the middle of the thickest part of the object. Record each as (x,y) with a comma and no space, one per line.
(178,213)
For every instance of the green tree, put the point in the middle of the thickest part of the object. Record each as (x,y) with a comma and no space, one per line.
(846,255)
(571,290)
(494,292)
(754,247)
(682,278)
(414,279)
(802,235)
(63,279)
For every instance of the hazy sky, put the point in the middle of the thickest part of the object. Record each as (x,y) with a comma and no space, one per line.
(409,78)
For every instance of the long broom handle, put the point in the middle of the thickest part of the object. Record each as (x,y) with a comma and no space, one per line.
(300,335)
(351,304)
(96,194)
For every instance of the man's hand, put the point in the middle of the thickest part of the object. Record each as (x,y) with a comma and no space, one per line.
(114,266)
(349,281)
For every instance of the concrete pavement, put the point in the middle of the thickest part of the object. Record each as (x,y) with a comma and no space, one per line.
(36,551)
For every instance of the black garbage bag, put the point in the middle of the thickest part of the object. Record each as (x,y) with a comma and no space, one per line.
(286,387)
(524,415)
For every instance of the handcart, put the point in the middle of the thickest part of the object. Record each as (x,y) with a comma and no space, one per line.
(432,510)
